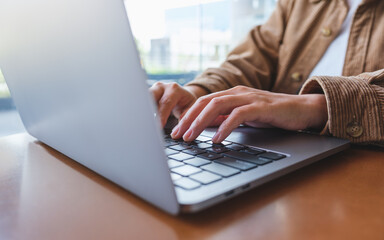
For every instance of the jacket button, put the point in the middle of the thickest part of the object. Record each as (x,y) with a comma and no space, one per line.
(326,32)
(354,129)
(297,77)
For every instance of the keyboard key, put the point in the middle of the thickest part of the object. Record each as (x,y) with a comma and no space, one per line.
(203,138)
(170,140)
(253,151)
(194,151)
(168,144)
(261,161)
(179,147)
(258,160)
(220,169)
(217,149)
(169,151)
(203,145)
(197,162)
(173,164)
(235,147)
(240,155)
(210,156)
(244,166)
(186,170)
(187,184)
(205,177)
(216,144)
(181,156)
(175,176)
(223,143)
(192,144)
(272,156)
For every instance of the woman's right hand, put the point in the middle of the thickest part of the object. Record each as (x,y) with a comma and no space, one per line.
(172,98)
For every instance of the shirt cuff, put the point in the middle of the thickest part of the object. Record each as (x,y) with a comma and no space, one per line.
(353,107)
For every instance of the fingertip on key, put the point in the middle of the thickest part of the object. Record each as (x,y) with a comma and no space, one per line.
(175,132)
(217,138)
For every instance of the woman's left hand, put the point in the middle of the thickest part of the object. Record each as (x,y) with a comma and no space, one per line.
(243,105)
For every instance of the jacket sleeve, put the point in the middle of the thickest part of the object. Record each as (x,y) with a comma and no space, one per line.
(254,62)
(355,105)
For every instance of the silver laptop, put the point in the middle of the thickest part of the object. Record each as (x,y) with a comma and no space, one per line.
(75,76)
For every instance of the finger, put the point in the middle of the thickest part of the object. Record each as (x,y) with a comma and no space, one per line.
(237,117)
(167,102)
(179,114)
(181,109)
(170,99)
(183,113)
(192,113)
(189,116)
(218,106)
(177,111)
(201,103)
(218,121)
(157,91)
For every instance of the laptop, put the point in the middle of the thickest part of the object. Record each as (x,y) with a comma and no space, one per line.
(76,79)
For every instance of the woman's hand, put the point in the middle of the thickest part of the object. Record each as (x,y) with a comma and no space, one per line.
(172,98)
(243,105)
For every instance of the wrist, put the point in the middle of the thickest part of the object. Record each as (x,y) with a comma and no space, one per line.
(317,110)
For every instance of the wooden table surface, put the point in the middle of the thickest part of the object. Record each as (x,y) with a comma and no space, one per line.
(45,195)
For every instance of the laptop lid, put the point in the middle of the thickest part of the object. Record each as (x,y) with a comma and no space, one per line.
(75,76)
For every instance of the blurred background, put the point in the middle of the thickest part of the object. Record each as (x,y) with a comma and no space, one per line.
(177,40)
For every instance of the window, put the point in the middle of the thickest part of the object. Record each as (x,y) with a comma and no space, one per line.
(177,39)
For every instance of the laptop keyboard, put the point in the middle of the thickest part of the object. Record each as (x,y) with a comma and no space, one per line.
(201,162)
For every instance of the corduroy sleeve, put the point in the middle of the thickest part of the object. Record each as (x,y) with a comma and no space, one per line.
(253,63)
(355,105)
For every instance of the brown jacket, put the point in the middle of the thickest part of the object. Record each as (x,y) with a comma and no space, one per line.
(279,56)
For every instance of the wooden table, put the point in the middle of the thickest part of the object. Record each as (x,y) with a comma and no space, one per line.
(45,195)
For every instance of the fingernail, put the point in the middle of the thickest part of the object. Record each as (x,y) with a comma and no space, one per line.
(175,131)
(187,135)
